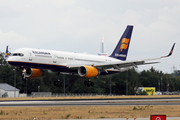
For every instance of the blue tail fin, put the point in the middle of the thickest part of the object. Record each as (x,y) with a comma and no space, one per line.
(6,54)
(121,50)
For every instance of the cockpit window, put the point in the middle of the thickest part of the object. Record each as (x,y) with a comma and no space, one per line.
(17,54)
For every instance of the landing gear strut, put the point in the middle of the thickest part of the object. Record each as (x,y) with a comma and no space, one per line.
(24,78)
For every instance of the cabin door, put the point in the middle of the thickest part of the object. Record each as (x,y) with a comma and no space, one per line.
(55,59)
(30,56)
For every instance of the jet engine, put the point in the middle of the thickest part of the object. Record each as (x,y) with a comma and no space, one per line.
(32,73)
(87,71)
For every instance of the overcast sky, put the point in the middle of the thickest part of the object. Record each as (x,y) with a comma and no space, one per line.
(77,26)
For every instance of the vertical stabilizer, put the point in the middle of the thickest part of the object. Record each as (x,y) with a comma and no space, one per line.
(6,54)
(121,50)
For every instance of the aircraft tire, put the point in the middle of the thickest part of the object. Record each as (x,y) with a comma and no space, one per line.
(58,83)
(92,84)
(88,83)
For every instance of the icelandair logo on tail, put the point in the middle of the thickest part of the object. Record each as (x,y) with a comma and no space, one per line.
(124,44)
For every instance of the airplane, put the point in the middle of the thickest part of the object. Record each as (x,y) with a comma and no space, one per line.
(34,61)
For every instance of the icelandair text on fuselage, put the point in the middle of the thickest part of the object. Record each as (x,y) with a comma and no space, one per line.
(120,55)
(41,52)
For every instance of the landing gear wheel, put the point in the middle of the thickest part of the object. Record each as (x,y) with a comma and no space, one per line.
(58,83)
(92,84)
(88,83)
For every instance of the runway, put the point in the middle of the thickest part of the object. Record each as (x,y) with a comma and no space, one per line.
(94,102)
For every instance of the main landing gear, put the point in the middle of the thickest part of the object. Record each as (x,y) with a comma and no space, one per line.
(58,83)
(88,83)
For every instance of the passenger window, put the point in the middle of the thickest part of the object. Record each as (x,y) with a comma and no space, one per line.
(15,54)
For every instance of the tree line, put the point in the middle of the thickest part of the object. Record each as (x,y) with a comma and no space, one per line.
(75,84)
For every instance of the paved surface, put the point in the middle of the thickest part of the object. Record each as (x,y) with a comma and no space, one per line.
(94,102)
(98,102)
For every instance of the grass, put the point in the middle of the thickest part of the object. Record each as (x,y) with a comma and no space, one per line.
(67,116)
(2,112)
(141,107)
(86,112)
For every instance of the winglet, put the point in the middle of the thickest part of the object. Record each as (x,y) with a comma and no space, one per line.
(170,53)
(6,54)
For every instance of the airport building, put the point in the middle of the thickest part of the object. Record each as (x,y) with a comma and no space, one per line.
(7,90)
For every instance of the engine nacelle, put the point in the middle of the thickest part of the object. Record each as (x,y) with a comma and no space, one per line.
(33,73)
(87,71)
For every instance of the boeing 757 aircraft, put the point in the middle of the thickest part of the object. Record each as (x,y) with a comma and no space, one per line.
(33,61)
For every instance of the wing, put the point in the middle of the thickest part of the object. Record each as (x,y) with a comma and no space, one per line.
(121,64)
